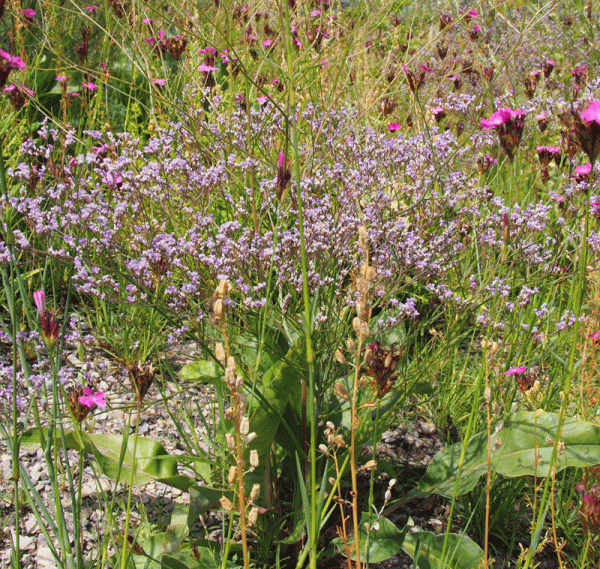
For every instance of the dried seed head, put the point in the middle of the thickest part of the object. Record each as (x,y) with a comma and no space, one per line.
(218,308)
(363,238)
(360,327)
(339,356)
(239,383)
(244,426)
(561,448)
(251,436)
(369,465)
(550,441)
(232,474)
(226,504)
(351,345)
(371,274)
(497,444)
(363,310)
(341,391)
(255,493)
(223,289)
(339,441)
(242,403)
(252,516)
(229,415)
(220,354)
(254,458)
(330,425)
(230,377)
(323,448)
(229,438)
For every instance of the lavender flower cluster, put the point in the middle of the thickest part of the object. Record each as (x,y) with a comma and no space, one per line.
(164,219)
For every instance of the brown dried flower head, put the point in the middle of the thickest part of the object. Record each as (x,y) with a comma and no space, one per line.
(380,366)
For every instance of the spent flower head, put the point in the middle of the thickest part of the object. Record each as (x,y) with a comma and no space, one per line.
(48,323)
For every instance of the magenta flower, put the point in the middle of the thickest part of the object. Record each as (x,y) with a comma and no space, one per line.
(497,119)
(515,370)
(159,82)
(394,126)
(580,75)
(592,113)
(18,95)
(39,298)
(547,67)
(586,130)
(8,63)
(92,9)
(62,78)
(595,336)
(89,85)
(28,13)
(548,153)
(584,169)
(206,68)
(509,124)
(90,398)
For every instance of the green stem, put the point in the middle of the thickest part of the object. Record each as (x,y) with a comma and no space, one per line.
(372,479)
(566,393)
(10,294)
(124,555)
(310,358)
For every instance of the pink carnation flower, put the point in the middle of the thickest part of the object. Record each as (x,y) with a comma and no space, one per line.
(515,370)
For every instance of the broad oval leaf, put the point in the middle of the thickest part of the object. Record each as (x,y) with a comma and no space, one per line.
(517,441)
(461,552)
(383,542)
(207,371)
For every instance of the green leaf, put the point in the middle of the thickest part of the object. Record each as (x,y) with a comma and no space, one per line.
(151,460)
(279,386)
(263,339)
(517,440)
(461,552)
(384,540)
(207,371)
